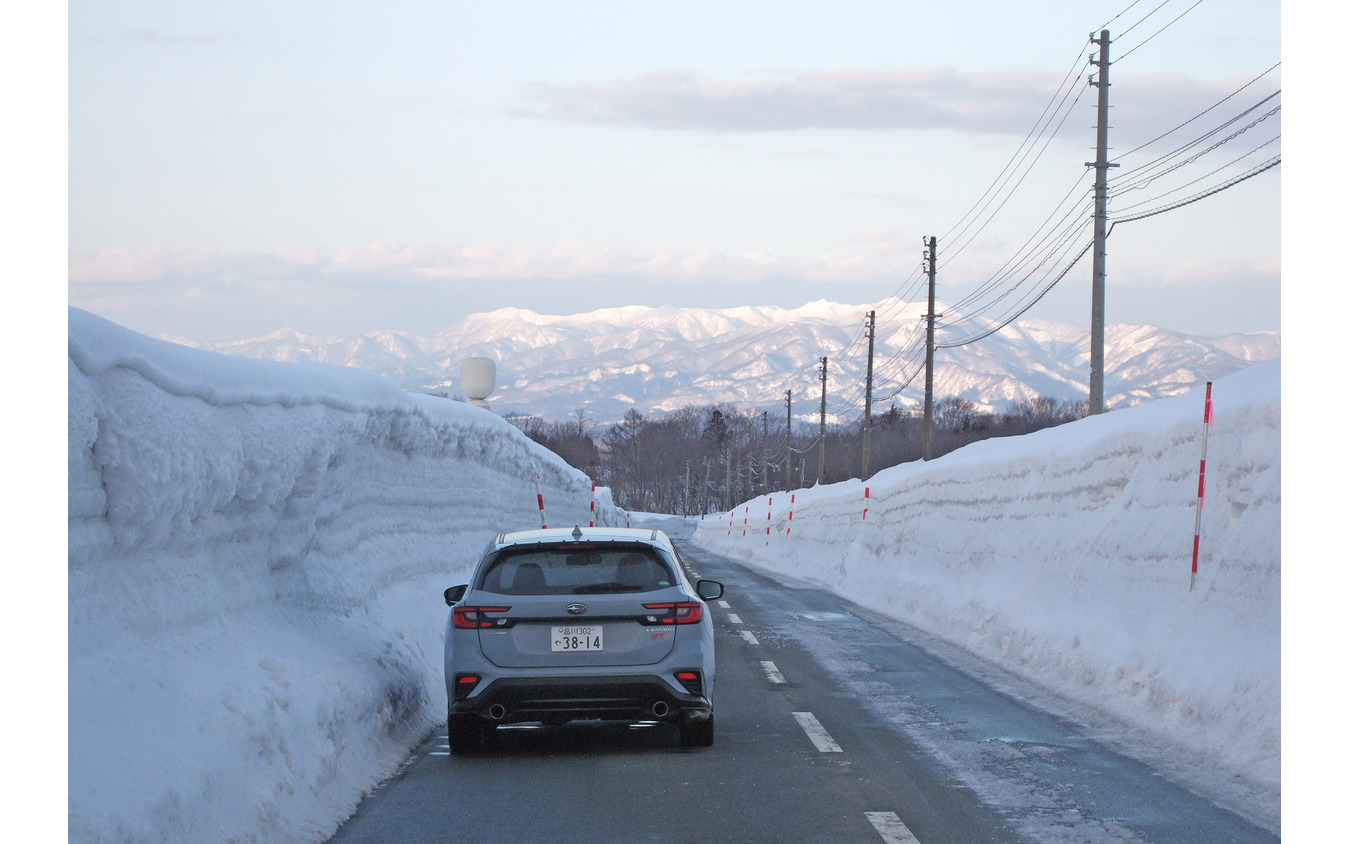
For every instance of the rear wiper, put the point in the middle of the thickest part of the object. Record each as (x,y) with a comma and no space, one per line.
(599,588)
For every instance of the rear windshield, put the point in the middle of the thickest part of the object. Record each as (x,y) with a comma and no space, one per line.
(576,569)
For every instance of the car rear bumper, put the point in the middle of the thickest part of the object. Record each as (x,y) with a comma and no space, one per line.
(558,700)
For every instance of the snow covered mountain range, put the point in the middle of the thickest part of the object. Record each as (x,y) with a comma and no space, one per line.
(661,359)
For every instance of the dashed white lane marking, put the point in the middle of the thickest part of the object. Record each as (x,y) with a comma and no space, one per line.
(891,828)
(775,676)
(724,605)
(816,733)
(733,618)
(749,637)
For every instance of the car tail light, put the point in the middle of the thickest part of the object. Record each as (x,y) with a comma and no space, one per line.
(475,618)
(465,684)
(691,680)
(682,613)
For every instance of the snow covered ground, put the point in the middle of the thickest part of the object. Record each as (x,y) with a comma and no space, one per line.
(1064,557)
(257,552)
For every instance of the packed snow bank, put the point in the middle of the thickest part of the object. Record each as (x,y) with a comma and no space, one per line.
(256,557)
(1065,557)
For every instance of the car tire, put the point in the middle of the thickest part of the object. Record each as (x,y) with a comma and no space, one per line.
(697,733)
(466,734)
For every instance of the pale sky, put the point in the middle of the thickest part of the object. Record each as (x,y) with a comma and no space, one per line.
(339,167)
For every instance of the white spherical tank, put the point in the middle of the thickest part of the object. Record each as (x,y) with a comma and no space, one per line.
(477,378)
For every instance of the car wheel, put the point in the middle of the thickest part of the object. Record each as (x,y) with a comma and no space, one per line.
(697,733)
(466,734)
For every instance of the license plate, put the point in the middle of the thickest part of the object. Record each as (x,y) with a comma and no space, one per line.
(579,638)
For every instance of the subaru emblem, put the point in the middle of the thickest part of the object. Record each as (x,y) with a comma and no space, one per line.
(576,609)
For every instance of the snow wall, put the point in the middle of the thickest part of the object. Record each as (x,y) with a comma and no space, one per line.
(256,557)
(1064,556)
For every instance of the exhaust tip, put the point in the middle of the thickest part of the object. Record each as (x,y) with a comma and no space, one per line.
(496,712)
(660,709)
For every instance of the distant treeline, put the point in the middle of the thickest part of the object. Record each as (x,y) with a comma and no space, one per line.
(706,459)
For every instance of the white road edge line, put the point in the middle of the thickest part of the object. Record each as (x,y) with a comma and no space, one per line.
(891,828)
(733,618)
(816,733)
(724,605)
(775,676)
(749,637)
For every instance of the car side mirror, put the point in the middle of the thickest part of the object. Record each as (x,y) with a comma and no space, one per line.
(455,594)
(708,590)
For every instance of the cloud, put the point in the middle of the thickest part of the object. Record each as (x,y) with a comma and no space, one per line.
(1009,101)
(411,261)
(917,98)
(121,265)
(428,286)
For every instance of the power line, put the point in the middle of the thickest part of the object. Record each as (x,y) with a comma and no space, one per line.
(1141,20)
(1022,255)
(1160,31)
(908,348)
(907,382)
(1198,179)
(1268,164)
(1118,14)
(1052,246)
(1009,320)
(1055,247)
(962,246)
(1144,173)
(1252,82)
(900,297)
(1050,256)
(1015,163)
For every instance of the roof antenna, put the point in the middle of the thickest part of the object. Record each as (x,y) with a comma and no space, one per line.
(576,532)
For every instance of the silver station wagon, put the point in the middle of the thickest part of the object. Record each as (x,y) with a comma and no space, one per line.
(561,625)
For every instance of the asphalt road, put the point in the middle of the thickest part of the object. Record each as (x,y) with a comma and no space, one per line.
(832,726)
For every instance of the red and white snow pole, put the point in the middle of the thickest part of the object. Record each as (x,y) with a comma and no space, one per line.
(539,491)
(592,503)
(791,503)
(1200,495)
(867,493)
(745,525)
(768,520)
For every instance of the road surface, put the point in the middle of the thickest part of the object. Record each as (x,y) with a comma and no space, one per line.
(833,725)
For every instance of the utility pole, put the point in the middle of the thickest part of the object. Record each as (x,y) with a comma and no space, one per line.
(727,494)
(787,475)
(931,258)
(766,452)
(1096,378)
(867,401)
(707,485)
(738,478)
(750,458)
(820,472)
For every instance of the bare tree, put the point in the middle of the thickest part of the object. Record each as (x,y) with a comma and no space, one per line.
(705,459)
